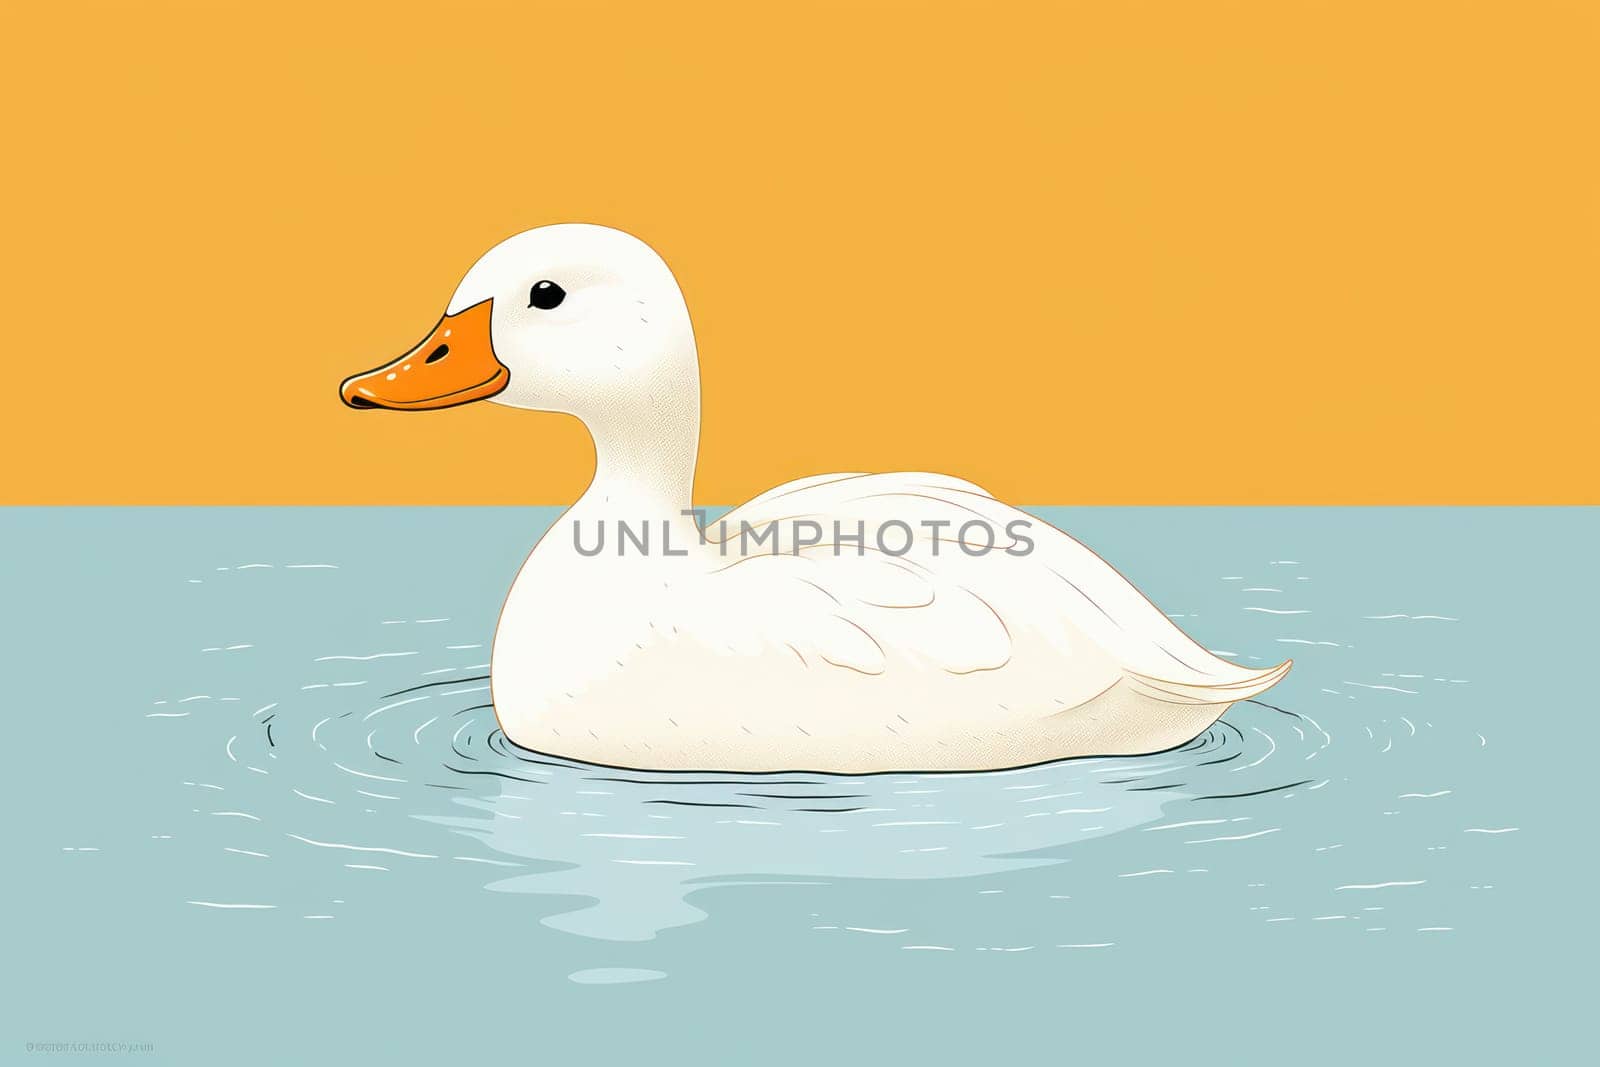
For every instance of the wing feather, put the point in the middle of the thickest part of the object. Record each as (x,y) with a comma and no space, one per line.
(938,604)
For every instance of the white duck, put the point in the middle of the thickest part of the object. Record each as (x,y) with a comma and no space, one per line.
(706,649)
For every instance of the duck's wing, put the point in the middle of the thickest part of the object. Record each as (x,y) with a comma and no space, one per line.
(941,604)
(858,497)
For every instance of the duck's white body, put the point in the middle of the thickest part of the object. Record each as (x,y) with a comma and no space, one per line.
(844,662)
(706,649)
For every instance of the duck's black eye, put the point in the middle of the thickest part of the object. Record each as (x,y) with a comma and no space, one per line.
(546,295)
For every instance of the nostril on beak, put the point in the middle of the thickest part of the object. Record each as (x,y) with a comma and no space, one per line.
(437,354)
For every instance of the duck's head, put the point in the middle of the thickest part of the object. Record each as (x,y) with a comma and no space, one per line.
(572,318)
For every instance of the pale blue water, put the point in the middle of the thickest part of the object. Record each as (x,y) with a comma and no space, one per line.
(196,715)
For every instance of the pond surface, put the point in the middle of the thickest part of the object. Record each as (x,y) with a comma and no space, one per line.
(261,812)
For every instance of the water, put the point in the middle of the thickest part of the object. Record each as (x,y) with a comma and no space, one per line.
(261,812)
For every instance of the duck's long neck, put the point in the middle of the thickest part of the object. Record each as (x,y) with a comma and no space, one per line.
(645,449)
(645,468)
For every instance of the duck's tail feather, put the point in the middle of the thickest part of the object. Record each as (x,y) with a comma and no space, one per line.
(1243,686)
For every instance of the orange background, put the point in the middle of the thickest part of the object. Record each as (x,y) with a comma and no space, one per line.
(1260,251)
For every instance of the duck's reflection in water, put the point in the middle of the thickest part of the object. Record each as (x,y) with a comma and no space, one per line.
(635,846)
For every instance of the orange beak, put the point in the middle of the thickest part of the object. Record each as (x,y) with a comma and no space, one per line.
(455,364)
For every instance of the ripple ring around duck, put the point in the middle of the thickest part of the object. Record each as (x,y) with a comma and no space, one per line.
(901,642)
